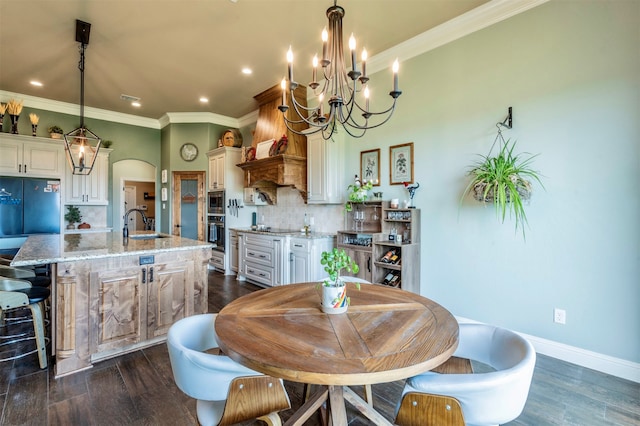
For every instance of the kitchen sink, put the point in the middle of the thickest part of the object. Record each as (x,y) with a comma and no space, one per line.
(148,236)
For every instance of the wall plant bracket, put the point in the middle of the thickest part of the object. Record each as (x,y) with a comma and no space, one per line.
(508,121)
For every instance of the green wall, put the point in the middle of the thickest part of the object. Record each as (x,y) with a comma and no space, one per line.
(571,72)
(203,135)
(129,141)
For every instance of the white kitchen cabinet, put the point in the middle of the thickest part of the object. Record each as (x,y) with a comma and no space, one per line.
(304,258)
(264,259)
(31,156)
(217,260)
(233,250)
(91,189)
(216,171)
(325,169)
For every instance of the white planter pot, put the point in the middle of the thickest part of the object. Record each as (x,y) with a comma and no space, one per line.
(334,299)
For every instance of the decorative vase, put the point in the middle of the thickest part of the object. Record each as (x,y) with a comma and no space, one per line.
(55,135)
(334,299)
(71,226)
(14,123)
(34,127)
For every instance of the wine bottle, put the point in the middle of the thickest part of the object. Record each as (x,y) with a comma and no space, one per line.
(387,257)
(395,279)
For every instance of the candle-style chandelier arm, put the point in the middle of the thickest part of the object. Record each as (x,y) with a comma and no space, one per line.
(339,88)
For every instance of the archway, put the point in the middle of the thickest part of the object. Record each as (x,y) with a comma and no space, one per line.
(131,171)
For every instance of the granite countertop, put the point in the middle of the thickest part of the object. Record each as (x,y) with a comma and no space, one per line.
(287,232)
(56,248)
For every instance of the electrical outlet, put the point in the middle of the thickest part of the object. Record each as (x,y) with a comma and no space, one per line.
(559,316)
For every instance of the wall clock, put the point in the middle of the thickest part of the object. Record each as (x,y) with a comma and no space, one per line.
(188,152)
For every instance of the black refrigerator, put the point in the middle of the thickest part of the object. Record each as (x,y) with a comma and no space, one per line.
(29,206)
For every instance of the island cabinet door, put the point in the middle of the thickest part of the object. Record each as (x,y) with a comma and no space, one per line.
(170,295)
(117,305)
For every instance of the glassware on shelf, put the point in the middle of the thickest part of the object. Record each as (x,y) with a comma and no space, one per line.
(374,216)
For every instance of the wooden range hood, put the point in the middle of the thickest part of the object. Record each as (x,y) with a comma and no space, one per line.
(288,169)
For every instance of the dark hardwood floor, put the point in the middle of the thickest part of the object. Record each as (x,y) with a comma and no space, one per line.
(138,389)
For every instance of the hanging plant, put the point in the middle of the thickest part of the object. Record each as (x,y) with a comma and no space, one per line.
(504,180)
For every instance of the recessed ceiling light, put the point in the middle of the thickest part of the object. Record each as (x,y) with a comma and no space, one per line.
(204,100)
(246,71)
(136,104)
(36,83)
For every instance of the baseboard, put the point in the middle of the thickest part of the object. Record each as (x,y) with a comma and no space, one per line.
(596,361)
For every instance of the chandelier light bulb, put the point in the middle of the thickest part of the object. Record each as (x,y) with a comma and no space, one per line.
(366,99)
(396,68)
(325,39)
(314,78)
(364,66)
(290,63)
(352,47)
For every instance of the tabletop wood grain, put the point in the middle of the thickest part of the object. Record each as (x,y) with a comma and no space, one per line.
(386,335)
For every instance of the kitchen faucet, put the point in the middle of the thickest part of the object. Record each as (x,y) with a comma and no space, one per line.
(125,230)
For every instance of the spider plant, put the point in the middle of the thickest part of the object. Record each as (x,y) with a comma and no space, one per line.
(503,181)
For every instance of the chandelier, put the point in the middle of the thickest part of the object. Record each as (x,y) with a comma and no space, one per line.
(345,92)
(81,154)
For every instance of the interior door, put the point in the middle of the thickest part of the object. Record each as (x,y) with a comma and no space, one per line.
(188,205)
(130,195)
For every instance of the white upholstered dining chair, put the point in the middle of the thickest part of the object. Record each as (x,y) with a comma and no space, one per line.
(226,392)
(483,399)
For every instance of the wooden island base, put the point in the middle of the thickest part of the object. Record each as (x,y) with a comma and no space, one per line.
(109,298)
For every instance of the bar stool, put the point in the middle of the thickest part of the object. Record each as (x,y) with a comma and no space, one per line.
(16,293)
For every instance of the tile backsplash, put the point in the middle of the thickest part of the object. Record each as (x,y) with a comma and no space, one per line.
(96,216)
(290,210)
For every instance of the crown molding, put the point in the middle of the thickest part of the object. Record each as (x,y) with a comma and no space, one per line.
(477,19)
(248,119)
(74,109)
(197,117)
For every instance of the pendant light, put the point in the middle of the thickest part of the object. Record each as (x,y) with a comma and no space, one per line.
(81,144)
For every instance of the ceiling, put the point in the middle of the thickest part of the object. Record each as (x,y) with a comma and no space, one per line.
(169,53)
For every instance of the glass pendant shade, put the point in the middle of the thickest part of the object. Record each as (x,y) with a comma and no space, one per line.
(82,146)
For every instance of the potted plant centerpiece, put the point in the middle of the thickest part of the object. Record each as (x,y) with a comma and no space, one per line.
(503,180)
(334,288)
(55,132)
(72,216)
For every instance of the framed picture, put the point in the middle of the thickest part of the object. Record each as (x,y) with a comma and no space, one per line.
(164,176)
(401,164)
(370,166)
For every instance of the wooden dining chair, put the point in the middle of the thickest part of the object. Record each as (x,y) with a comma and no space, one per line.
(226,392)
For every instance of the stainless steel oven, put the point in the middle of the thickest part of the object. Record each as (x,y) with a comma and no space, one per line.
(216,203)
(216,232)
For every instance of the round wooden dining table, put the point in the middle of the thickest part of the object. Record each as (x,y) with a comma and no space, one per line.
(387,334)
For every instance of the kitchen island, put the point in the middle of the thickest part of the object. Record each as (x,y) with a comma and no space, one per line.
(111,296)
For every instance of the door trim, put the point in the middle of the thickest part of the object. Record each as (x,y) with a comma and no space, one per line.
(176,184)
